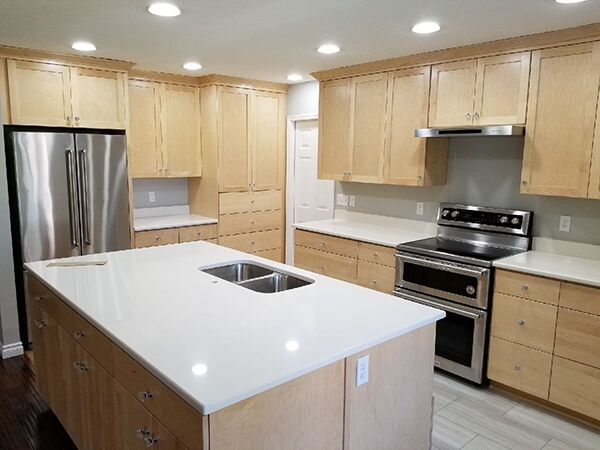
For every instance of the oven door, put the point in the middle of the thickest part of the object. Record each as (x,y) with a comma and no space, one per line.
(460,338)
(453,281)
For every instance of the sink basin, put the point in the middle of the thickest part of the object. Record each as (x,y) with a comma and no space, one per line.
(257,277)
(276,282)
(238,272)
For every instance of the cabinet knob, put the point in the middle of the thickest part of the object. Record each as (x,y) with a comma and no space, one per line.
(323,244)
(166,170)
(521,322)
(419,177)
(252,222)
(150,440)
(83,368)
(161,170)
(68,118)
(252,202)
(144,395)
(142,432)
(199,233)
(468,116)
(517,368)
(476,116)
(157,238)
(523,183)
(321,268)
(40,323)
(76,118)
(252,243)
(375,254)
(373,281)
(38,298)
(524,287)
(78,335)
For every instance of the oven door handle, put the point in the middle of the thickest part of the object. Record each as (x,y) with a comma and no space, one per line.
(444,307)
(448,267)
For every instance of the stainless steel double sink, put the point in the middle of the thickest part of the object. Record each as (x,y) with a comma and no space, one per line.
(257,277)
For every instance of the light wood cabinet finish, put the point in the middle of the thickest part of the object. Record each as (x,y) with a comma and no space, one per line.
(580,298)
(409,160)
(197,233)
(144,134)
(334,129)
(248,222)
(594,186)
(520,367)
(531,287)
(272,254)
(452,93)
(241,202)
(377,254)
(4,101)
(180,121)
(253,242)
(151,238)
(578,337)
(43,330)
(524,322)
(367,127)
(576,386)
(329,264)
(326,243)
(375,276)
(563,99)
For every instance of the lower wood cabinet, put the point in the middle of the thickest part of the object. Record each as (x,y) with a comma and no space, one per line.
(375,276)
(164,236)
(324,263)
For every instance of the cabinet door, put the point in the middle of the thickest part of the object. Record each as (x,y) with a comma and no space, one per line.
(70,357)
(594,187)
(40,94)
(41,329)
(180,119)
(144,138)
(268,140)
(368,100)
(234,164)
(501,89)
(98,98)
(452,93)
(560,120)
(334,129)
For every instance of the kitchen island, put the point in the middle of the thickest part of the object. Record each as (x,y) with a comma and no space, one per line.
(148,350)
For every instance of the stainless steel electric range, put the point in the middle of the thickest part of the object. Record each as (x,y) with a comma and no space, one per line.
(453,272)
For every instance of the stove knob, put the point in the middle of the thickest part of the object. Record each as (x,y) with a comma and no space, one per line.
(503,219)
(445,212)
(454,214)
(514,220)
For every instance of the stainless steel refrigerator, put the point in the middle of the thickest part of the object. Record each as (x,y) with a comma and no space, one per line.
(68,195)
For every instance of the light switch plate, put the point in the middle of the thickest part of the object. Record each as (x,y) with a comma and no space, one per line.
(419,209)
(352,201)
(362,370)
(151,196)
(565,224)
(342,200)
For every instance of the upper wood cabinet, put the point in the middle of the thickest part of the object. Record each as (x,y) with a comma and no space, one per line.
(594,187)
(164,131)
(251,140)
(59,95)
(563,101)
(484,91)
(410,160)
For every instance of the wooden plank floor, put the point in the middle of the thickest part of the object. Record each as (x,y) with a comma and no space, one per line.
(470,418)
(25,420)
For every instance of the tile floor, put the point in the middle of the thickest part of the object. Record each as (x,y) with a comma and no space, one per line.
(470,418)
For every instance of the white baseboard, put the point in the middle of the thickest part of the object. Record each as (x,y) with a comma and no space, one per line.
(12,350)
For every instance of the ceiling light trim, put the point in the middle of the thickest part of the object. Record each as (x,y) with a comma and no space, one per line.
(163,9)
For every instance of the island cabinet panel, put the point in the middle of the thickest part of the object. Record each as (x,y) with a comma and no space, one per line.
(45,334)
(188,425)
(393,410)
(334,129)
(452,93)
(305,413)
(563,100)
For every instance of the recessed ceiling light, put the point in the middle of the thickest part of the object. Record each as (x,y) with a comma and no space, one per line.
(569,1)
(83,46)
(164,9)
(426,27)
(328,49)
(294,77)
(192,66)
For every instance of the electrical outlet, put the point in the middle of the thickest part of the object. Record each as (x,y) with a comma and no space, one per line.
(151,196)
(419,209)
(362,370)
(342,200)
(565,224)
(352,201)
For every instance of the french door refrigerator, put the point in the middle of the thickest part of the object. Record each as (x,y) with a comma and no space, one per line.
(68,194)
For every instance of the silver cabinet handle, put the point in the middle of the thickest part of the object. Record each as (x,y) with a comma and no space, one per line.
(150,440)
(68,118)
(252,243)
(38,298)
(84,195)
(144,395)
(72,192)
(157,238)
(322,244)
(524,287)
(523,183)
(468,116)
(321,268)
(142,432)
(78,335)
(76,118)
(419,177)
(40,323)
(374,282)
(517,368)
(199,233)
(521,322)
(252,222)
(161,170)
(375,254)
(476,116)
(80,366)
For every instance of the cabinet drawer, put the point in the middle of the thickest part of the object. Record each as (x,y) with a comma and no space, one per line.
(179,417)
(151,238)
(576,386)
(523,321)
(197,233)
(375,276)
(324,263)
(531,287)
(238,202)
(326,243)
(377,254)
(253,242)
(520,367)
(248,222)
(578,337)
(40,295)
(580,298)
(273,254)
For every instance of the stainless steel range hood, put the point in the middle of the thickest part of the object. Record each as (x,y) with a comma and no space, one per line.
(499,130)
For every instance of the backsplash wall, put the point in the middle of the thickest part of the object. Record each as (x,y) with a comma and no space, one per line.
(481,171)
(168,192)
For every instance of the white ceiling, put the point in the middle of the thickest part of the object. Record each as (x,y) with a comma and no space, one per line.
(268,39)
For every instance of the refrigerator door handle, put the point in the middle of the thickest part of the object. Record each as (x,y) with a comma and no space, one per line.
(83,173)
(71,189)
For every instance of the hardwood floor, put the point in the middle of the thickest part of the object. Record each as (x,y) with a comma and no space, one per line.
(25,420)
(470,418)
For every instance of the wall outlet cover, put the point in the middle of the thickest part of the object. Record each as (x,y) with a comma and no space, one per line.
(565,224)
(151,196)
(342,200)
(362,370)
(419,208)
(352,201)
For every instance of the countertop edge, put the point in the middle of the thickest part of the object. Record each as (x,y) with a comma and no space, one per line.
(343,235)
(545,273)
(175,224)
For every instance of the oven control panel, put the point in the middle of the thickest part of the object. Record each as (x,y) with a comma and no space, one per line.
(485,218)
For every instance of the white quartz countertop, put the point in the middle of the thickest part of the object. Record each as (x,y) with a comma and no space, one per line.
(379,230)
(568,268)
(180,220)
(216,343)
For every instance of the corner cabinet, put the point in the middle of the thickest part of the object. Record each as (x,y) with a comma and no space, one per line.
(563,102)
(164,131)
(59,95)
